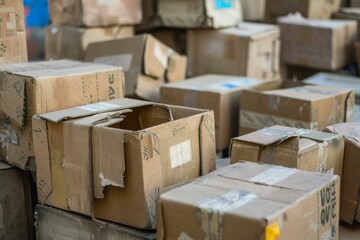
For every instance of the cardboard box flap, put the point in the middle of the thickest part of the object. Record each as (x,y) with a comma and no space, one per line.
(92,109)
(207,148)
(350,131)
(319,136)
(253,31)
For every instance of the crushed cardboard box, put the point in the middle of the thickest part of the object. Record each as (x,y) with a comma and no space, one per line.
(95,13)
(219,93)
(291,147)
(39,87)
(67,42)
(252,201)
(308,107)
(147,63)
(350,186)
(111,159)
(251,50)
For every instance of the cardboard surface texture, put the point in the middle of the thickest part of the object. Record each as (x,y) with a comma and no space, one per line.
(246,201)
(12,32)
(253,10)
(66,42)
(199,13)
(308,107)
(350,205)
(52,223)
(291,147)
(325,44)
(147,63)
(39,87)
(251,50)
(313,9)
(112,159)
(219,93)
(95,13)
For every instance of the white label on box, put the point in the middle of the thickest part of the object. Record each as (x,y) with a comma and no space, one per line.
(180,154)
(96,107)
(274,175)
(121,60)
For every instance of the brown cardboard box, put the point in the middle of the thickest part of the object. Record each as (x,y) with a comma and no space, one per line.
(291,147)
(52,223)
(253,10)
(39,87)
(252,201)
(319,44)
(112,159)
(350,205)
(147,63)
(12,32)
(309,107)
(219,93)
(16,206)
(66,42)
(199,13)
(313,9)
(95,13)
(251,50)
(350,14)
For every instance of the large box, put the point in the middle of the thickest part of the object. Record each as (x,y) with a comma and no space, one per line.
(12,32)
(39,87)
(95,13)
(66,42)
(350,185)
(291,147)
(251,50)
(112,159)
(309,107)
(16,204)
(219,93)
(253,10)
(199,13)
(147,63)
(313,9)
(252,201)
(319,44)
(52,223)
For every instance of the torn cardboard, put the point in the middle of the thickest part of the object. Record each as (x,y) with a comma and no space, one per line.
(39,87)
(111,159)
(251,50)
(252,201)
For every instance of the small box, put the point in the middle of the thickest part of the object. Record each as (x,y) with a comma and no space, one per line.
(199,13)
(251,50)
(320,44)
(39,87)
(252,201)
(147,63)
(308,107)
(95,13)
(112,159)
(350,182)
(219,93)
(67,42)
(291,147)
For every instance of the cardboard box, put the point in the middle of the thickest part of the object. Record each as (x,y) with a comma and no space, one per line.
(336,80)
(52,223)
(112,159)
(252,201)
(95,13)
(309,107)
(291,147)
(219,93)
(16,204)
(350,14)
(147,63)
(199,13)
(350,204)
(39,87)
(252,50)
(66,42)
(12,32)
(313,9)
(253,10)
(319,44)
